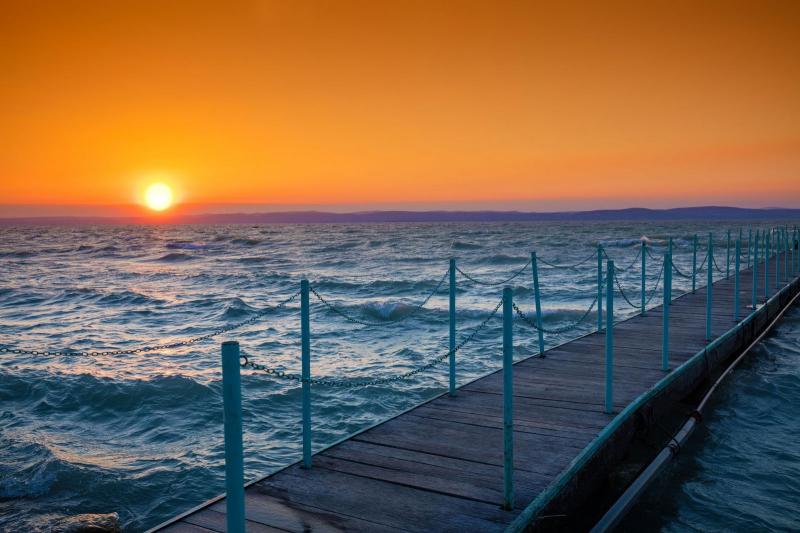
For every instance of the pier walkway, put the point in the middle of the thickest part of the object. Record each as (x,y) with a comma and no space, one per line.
(439,466)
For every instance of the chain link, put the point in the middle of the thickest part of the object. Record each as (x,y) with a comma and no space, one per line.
(494,283)
(157,347)
(574,265)
(555,331)
(678,272)
(349,384)
(367,323)
(618,269)
(653,256)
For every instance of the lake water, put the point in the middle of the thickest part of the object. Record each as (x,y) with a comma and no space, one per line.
(141,434)
(740,470)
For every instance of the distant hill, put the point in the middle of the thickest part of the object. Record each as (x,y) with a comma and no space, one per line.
(300,217)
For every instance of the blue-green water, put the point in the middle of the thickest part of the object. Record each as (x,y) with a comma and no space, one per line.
(741,469)
(141,434)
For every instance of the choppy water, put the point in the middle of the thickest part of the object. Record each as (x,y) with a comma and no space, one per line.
(741,469)
(142,434)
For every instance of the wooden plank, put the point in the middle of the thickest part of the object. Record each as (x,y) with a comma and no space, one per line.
(216,521)
(388,504)
(287,514)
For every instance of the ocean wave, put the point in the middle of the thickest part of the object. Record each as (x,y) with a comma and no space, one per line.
(237,308)
(182,245)
(461,245)
(246,241)
(18,254)
(28,478)
(104,399)
(505,259)
(622,243)
(175,257)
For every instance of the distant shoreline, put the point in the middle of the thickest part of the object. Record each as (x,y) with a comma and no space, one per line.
(323,217)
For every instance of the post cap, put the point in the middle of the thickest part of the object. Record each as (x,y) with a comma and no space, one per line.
(230,343)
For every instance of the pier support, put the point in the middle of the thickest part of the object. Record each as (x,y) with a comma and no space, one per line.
(452,355)
(538,302)
(305,370)
(232,419)
(667,301)
(736,295)
(710,285)
(644,270)
(508,400)
(599,288)
(609,407)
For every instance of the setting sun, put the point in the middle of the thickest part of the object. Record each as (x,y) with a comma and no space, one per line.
(158,197)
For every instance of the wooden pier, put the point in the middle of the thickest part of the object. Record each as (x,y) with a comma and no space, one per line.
(439,466)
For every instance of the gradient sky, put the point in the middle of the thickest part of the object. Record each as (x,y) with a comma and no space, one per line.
(431,104)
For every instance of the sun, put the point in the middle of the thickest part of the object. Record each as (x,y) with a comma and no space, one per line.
(158,197)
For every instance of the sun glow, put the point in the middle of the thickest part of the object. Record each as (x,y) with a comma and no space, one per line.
(158,197)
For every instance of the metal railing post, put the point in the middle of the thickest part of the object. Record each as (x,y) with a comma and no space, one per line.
(508,404)
(452,356)
(537,301)
(694,263)
(755,272)
(710,285)
(305,370)
(728,256)
(778,243)
(786,254)
(767,251)
(599,288)
(749,242)
(234,453)
(737,262)
(665,307)
(609,407)
(644,266)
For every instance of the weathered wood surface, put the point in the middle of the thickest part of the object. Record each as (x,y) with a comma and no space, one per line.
(438,467)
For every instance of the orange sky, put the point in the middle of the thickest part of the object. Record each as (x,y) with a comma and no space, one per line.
(401,104)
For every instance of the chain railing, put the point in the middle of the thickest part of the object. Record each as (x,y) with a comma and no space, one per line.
(347,383)
(625,269)
(555,331)
(370,324)
(513,276)
(570,266)
(157,347)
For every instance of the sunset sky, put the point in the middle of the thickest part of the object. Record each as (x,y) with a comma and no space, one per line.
(521,105)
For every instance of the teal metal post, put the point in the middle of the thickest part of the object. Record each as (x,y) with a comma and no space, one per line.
(728,256)
(740,238)
(452,356)
(610,337)
(694,263)
(778,243)
(234,453)
(755,272)
(785,241)
(749,242)
(736,265)
(644,266)
(709,286)
(767,251)
(599,288)
(537,301)
(508,405)
(305,370)
(665,307)
(669,249)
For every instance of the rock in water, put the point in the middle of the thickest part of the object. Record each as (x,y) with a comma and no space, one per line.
(88,523)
